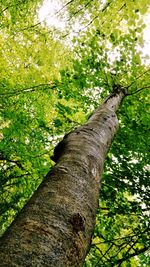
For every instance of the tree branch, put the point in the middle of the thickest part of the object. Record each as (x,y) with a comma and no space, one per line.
(91,21)
(146,87)
(139,251)
(68,3)
(79,10)
(29,27)
(30,89)
(136,78)
(16,4)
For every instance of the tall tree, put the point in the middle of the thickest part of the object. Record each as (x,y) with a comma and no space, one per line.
(40,104)
(55,227)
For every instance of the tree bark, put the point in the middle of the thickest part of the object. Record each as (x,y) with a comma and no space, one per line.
(56,225)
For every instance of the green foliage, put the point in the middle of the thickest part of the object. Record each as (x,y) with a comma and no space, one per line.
(48,87)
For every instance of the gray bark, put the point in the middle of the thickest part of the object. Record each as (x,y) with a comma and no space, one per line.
(56,225)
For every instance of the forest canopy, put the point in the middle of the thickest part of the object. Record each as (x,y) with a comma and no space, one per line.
(58,61)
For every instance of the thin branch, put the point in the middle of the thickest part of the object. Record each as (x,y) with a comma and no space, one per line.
(106,252)
(146,87)
(103,255)
(132,245)
(86,26)
(136,78)
(57,12)
(68,3)
(139,251)
(6,8)
(79,10)
(18,3)
(124,5)
(107,5)
(103,10)
(29,27)
(30,89)
(90,22)
(35,25)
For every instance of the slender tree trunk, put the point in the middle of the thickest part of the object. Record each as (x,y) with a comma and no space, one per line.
(56,225)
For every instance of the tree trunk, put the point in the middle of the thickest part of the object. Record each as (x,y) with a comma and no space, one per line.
(56,225)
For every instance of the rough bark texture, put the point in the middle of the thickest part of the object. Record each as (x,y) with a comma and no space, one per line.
(55,227)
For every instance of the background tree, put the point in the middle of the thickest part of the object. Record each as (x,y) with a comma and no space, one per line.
(48,89)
